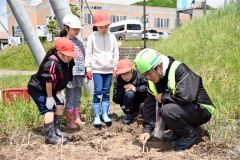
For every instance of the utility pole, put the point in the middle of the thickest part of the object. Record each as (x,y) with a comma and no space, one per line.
(205,7)
(144,24)
(60,9)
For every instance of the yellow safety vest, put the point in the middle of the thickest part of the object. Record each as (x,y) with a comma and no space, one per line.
(172,85)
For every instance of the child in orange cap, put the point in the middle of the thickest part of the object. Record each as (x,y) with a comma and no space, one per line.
(45,86)
(129,89)
(101,64)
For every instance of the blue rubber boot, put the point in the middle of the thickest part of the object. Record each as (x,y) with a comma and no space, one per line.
(97,123)
(106,119)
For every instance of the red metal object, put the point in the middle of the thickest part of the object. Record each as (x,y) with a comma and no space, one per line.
(12,94)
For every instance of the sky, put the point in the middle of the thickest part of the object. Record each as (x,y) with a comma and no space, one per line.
(212,3)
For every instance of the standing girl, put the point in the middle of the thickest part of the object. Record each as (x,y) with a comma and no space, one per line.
(71,29)
(44,87)
(101,63)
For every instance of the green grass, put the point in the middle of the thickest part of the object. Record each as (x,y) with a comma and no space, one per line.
(159,3)
(21,116)
(19,58)
(13,81)
(211,47)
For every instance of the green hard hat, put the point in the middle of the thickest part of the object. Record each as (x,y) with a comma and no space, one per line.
(146,59)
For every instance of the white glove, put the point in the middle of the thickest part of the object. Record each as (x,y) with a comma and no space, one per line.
(50,102)
(69,85)
(61,98)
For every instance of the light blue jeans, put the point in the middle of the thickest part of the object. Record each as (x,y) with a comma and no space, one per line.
(102,85)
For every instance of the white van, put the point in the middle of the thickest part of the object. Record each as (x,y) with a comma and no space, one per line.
(126,29)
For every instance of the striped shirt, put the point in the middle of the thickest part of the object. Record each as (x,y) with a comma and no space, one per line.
(78,68)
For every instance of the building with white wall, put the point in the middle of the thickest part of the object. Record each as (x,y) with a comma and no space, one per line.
(161,19)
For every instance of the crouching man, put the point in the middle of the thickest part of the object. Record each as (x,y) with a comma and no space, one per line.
(184,103)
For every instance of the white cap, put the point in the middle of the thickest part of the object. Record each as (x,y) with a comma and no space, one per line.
(72,21)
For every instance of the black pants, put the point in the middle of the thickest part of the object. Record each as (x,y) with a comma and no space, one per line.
(182,119)
(131,101)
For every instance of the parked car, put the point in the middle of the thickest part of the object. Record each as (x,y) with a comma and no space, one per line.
(151,34)
(126,29)
(163,34)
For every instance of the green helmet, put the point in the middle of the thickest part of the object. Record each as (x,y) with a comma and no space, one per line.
(146,59)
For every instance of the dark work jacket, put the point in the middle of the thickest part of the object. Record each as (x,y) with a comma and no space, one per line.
(139,83)
(189,89)
(54,70)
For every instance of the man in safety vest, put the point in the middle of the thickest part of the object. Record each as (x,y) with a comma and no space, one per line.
(183,101)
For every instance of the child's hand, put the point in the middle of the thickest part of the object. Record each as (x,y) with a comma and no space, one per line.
(144,138)
(114,74)
(89,75)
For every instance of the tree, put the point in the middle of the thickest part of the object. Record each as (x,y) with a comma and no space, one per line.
(75,10)
(53,26)
(159,3)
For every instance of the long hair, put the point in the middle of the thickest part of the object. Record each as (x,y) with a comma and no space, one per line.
(94,28)
(64,31)
(50,52)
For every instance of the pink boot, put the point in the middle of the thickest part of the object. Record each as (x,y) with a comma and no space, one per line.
(77,120)
(70,117)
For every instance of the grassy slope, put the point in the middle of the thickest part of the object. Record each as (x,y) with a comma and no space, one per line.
(211,47)
(19,58)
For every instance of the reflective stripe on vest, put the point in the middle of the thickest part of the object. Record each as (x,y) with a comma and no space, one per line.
(171,76)
(210,108)
(172,85)
(152,87)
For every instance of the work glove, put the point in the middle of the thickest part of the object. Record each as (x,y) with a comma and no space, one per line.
(89,75)
(50,102)
(61,98)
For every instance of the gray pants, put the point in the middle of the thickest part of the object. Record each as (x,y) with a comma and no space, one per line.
(73,92)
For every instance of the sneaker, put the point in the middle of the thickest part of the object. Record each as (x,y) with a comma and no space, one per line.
(171,138)
(128,119)
(186,142)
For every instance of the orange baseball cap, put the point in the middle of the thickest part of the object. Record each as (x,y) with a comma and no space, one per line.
(100,18)
(123,66)
(65,46)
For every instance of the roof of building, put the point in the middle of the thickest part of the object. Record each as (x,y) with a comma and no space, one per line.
(3,35)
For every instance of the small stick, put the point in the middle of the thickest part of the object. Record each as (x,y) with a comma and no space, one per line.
(29,135)
(143,148)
